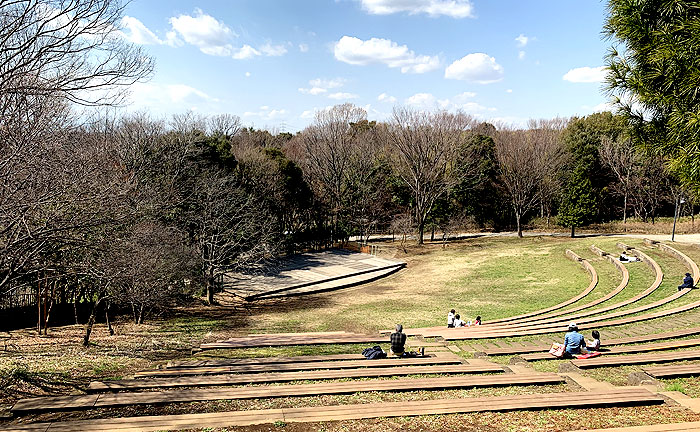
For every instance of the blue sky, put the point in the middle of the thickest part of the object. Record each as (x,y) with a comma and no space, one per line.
(275,62)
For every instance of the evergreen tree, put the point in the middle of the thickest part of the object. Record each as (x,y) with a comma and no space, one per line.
(656,75)
(578,207)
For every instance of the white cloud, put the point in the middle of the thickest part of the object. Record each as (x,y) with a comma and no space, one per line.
(383,51)
(169,98)
(603,106)
(138,33)
(184,93)
(172,39)
(509,91)
(422,100)
(211,36)
(328,84)
(386,98)
(460,102)
(247,74)
(341,95)
(246,52)
(477,67)
(521,55)
(313,90)
(522,40)
(319,86)
(308,114)
(273,50)
(585,74)
(464,96)
(303,48)
(266,113)
(426,101)
(451,8)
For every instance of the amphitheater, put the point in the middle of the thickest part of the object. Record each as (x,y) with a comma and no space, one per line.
(653,328)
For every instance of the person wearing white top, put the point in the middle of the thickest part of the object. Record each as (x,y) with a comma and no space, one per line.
(451,319)
(458,322)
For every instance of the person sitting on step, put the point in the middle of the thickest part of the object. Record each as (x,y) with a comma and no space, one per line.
(594,345)
(451,319)
(398,341)
(573,341)
(477,321)
(458,322)
(687,282)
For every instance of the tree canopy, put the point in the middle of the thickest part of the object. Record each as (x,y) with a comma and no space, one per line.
(655,73)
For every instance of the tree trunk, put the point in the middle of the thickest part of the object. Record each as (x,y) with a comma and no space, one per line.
(109,323)
(210,289)
(75,304)
(421,231)
(38,304)
(47,315)
(573,233)
(519,227)
(90,323)
(432,234)
(624,211)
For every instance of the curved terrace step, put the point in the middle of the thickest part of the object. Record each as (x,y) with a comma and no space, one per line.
(548,317)
(437,330)
(556,323)
(594,282)
(562,319)
(599,322)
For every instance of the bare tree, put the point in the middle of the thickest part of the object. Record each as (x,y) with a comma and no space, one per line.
(402,224)
(623,160)
(547,134)
(527,159)
(53,53)
(226,125)
(328,148)
(230,230)
(425,148)
(67,48)
(151,263)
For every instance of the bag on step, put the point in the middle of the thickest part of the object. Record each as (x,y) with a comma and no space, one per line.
(376,352)
(557,350)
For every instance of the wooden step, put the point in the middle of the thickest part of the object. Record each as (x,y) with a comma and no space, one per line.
(672,427)
(439,358)
(625,349)
(262,360)
(267,341)
(621,396)
(620,341)
(673,371)
(222,380)
(111,400)
(637,359)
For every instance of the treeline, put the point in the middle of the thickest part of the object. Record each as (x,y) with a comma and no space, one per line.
(135,212)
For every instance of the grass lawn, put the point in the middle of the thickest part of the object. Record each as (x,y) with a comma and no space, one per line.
(494,278)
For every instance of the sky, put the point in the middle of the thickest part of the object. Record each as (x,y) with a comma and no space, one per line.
(274,63)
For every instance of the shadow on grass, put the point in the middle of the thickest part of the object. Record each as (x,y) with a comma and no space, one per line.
(19,383)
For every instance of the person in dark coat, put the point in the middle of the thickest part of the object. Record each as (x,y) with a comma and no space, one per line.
(687,282)
(398,341)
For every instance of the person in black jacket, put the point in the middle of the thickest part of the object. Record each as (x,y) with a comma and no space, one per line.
(398,341)
(687,282)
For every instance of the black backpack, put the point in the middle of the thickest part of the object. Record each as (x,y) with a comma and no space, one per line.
(374,353)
